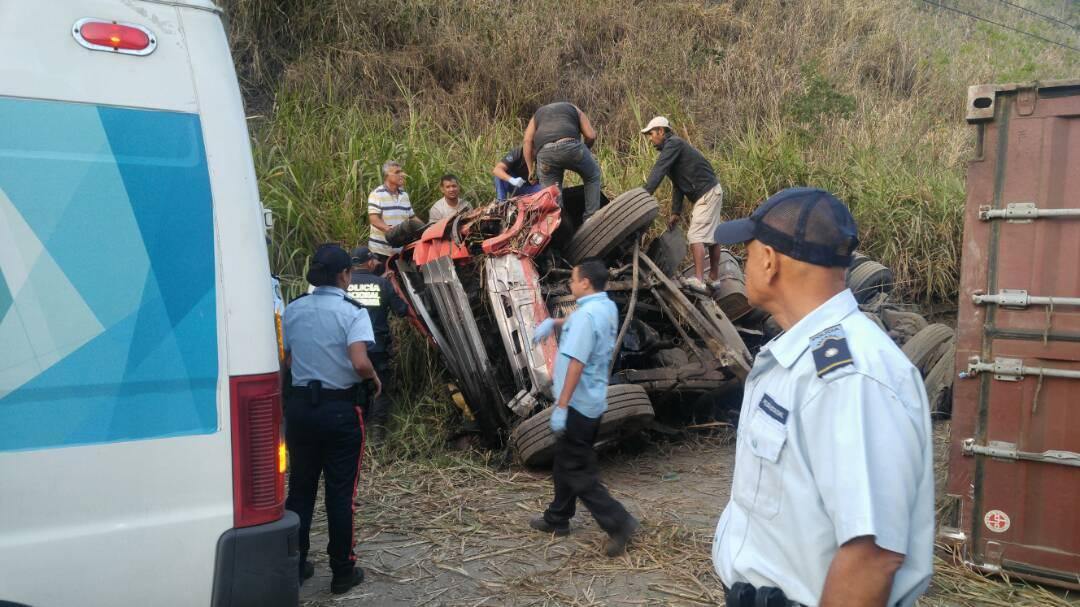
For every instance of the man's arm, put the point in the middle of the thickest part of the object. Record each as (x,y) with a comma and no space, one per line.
(663,165)
(573,376)
(588,133)
(501,172)
(866,450)
(362,364)
(527,146)
(377,222)
(861,573)
(677,198)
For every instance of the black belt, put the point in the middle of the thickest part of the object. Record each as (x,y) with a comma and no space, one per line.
(316,393)
(746,595)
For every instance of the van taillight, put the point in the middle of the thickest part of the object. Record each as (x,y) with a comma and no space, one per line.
(258,476)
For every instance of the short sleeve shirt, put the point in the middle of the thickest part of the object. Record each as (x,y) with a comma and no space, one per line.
(834,443)
(588,336)
(442,209)
(318,330)
(515,163)
(394,209)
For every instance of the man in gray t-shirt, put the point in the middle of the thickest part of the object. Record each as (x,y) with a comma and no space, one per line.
(450,204)
(560,137)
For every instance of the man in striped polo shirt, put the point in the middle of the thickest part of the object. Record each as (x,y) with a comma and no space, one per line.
(388,205)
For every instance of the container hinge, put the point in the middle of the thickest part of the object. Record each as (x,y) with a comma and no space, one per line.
(1017,298)
(1013,369)
(1008,451)
(1023,212)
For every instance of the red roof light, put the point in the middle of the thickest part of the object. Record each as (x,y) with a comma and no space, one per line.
(99,35)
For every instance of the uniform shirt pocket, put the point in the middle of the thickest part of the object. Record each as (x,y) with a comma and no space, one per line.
(758,482)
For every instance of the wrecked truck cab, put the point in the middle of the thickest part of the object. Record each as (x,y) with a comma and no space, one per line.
(479,282)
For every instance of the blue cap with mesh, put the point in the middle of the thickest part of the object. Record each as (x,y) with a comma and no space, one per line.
(807,224)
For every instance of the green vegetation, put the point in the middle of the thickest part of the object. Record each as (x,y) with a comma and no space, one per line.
(865,98)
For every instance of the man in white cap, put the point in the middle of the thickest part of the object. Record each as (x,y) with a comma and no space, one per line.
(691,177)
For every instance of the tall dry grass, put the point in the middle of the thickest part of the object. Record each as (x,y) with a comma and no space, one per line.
(863,97)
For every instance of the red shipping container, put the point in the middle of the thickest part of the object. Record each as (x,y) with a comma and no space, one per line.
(1014,457)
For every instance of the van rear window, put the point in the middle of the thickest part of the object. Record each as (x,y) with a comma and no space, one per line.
(108,315)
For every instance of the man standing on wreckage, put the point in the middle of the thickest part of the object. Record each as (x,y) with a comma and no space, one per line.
(832,501)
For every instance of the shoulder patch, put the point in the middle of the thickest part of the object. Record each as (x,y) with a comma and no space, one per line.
(300,296)
(354,303)
(831,351)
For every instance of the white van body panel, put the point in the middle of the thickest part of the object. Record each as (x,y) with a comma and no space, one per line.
(132,519)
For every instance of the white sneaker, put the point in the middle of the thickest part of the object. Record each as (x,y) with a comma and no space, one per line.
(693,282)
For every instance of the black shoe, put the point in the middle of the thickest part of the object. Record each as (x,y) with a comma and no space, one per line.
(306,571)
(616,544)
(540,524)
(342,583)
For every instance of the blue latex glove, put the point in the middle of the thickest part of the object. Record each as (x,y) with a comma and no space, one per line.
(558,419)
(517,182)
(543,330)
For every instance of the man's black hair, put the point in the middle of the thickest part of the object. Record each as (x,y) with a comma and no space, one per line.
(595,271)
(447,177)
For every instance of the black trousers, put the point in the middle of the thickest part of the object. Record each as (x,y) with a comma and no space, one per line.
(378,412)
(576,474)
(325,438)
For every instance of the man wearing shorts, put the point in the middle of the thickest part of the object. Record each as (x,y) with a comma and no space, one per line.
(691,177)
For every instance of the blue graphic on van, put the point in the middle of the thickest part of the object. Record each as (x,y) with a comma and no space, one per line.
(108,314)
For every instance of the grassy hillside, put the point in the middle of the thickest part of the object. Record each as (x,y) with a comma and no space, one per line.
(861,97)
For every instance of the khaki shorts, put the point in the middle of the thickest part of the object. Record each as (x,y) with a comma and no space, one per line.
(706,217)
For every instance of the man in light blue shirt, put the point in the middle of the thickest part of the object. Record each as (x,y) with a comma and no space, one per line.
(832,501)
(580,385)
(326,336)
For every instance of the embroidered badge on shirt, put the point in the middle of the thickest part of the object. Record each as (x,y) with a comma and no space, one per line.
(773,410)
(830,351)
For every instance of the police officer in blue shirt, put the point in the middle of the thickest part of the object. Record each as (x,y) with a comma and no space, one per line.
(586,345)
(832,501)
(326,337)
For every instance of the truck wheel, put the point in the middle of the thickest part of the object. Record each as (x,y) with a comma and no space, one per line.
(869,279)
(928,346)
(903,325)
(629,212)
(629,409)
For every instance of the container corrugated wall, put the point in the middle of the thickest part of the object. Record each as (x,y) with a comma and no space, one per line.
(1014,460)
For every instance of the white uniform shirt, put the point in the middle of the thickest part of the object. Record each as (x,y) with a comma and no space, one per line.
(834,443)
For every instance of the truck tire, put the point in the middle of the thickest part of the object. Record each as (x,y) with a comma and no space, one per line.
(928,346)
(869,279)
(903,325)
(629,212)
(857,259)
(628,410)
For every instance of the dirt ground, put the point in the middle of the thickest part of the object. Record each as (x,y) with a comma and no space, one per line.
(453,531)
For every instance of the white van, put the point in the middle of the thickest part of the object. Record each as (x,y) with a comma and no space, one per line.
(141,461)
